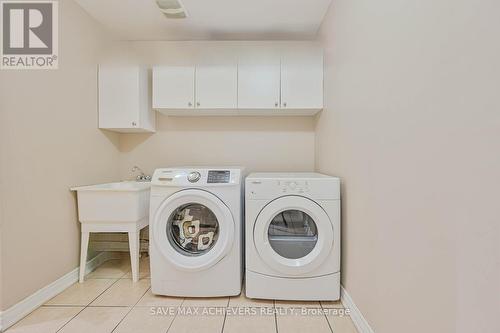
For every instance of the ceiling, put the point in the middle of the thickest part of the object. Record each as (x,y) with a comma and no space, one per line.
(211,19)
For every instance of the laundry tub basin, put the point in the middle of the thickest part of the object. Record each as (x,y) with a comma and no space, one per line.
(113,202)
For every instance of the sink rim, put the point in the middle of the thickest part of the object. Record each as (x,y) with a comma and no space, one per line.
(107,187)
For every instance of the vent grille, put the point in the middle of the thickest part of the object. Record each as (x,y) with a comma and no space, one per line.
(171,8)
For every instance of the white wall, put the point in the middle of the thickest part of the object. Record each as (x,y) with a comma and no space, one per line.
(49,141)
(412,126)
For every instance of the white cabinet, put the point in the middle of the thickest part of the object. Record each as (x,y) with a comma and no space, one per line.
(216,86)
(191,90)
(124,99)
(302,80)
(264,82)
(173,87)
(259,85)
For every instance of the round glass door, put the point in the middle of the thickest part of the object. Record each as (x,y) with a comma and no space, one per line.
(292,234)
(192,229)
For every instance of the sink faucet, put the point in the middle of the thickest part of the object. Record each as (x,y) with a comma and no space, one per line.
(142,177)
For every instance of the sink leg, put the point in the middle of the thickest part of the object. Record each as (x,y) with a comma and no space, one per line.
(83,254)
(133,240)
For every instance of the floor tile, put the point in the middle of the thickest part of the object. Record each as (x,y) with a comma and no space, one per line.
(242,300)
(297,322)
(149,299)
(332,304)
(341,324)
(142,319)
(45,319)
(96,320)
(112,269)
(184,323)
(296,304)
(123,293)
(82,293)
(206,302)
(249,320)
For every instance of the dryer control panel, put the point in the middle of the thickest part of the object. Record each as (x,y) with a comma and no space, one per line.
(270,186)
(293,186)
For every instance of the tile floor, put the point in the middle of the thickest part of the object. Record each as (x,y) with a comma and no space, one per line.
(108,301)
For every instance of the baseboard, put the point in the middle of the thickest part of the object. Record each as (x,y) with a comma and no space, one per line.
(357,317)
(18,311)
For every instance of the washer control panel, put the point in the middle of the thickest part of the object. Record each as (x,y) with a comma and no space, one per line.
(218,176)
(197,177)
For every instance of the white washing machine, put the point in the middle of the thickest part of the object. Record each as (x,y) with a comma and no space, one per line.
(292,227)
(196,231)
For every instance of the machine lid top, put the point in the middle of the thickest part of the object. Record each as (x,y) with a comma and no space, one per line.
(288,175)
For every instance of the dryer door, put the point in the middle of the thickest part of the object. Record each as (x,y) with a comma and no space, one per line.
(193,229)
(293,235)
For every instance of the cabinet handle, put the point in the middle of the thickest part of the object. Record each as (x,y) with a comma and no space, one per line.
(197,103)
(284,104)
(276,104)
(134,123)
(190,104)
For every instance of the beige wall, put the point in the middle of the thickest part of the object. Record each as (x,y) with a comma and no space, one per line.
(49,141)
(258,143)
(412,126)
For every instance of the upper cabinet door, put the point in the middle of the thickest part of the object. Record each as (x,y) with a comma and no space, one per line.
(216,86)
(259,83)
(173,87)
(118,97)
(124,103)
(302,79)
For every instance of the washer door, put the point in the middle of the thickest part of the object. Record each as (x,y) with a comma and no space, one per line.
(293,235)
(193,229)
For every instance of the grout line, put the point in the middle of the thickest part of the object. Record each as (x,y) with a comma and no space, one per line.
(225,314)
(131,308)
(275,316)
(63,306)
(108,306)
(327,321)
(112,284)
(172,322)
(86,306)
(66,323)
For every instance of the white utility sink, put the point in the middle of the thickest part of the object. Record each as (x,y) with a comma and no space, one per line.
(113,207)
(113,202)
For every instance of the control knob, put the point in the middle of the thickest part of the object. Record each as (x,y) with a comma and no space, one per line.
(194,176)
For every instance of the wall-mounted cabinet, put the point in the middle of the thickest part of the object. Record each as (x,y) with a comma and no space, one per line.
(124,99)
(274,84)
(259,83)
(189,87)
(216,86)
(302,80)
(173,87)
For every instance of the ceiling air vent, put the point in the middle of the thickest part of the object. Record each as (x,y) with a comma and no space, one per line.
(171,8)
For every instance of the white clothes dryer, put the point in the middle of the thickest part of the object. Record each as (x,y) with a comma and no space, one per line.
(292,227)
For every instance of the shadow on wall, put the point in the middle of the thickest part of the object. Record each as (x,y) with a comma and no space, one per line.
(220,124)
(113,137)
